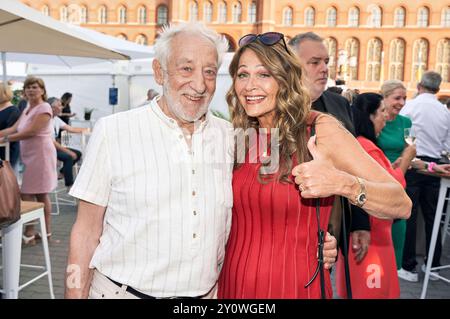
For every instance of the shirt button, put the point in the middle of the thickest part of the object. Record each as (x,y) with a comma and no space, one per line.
(180,136)
(193,171)
(195,213)
(193,193)
(194,235)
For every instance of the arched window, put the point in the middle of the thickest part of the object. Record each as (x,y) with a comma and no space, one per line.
(331,17)
(102,15)
(331,45)
(63,14)
(445,17)
(399,17)
(252,12)
(207,12)
(422,17)
(420,59)
(375,16)
(396,59)
(309,16)
(161,15)
(83,14)
(351,65)
(237,12)
(443,59)
(353,17)
(122,36)
(142,15)
(193,11)
(222,12)
(141,39)
(287,16)
(45,10)
(374,60)
(122,15)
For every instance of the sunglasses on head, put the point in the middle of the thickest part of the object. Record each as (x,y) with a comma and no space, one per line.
(268,38)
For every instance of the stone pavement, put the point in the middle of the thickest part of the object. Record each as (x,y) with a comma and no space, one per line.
(62,225)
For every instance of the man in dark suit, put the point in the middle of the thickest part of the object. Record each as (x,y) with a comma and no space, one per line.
(314,59)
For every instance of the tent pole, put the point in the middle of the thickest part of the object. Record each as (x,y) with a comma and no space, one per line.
(5,72)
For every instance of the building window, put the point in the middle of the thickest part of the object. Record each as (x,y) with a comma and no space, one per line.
(102,15)
(122,36)
(309,16)
(252,12)
(287,16)
(396,59)
(237,12)
(122,15)
(420,59)
(351,63)
(399,17)
(443,59)
(375,17)
(422,17)
(222,12)
(63,14)
(331,17)
(193,11)
(161,15)
(207,12)
(374,54)
(45,10)
(353,17)
(83,14)
(445,17)
(331,45)
(141,39)
(142,15)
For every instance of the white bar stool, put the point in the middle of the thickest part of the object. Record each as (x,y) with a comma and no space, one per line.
(445,184)
(12,249)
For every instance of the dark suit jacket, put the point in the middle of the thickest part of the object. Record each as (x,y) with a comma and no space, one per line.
(339,107)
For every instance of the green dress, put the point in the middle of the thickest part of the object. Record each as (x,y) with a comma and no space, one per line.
(392,141)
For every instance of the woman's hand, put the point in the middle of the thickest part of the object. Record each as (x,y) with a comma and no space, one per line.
(319,177)
(442,168)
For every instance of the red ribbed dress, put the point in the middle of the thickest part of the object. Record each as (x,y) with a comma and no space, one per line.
(272,248)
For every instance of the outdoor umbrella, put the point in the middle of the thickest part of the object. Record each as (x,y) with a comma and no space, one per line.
(25,30)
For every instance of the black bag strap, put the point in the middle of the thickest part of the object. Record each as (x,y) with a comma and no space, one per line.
(321,234)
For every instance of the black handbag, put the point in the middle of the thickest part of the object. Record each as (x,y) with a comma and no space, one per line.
(9,195)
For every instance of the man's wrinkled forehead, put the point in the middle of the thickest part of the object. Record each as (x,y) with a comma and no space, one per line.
(186,46)
(309,49)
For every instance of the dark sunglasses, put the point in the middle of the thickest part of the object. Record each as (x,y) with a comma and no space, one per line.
(268,38)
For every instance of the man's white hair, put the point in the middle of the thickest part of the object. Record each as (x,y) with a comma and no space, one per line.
(162,44)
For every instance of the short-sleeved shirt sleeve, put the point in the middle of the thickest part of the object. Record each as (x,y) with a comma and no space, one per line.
(93,183)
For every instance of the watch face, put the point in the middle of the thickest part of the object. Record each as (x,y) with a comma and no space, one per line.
(362,198)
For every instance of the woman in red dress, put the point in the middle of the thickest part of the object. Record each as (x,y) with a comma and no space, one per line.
(272,249)
(375,276)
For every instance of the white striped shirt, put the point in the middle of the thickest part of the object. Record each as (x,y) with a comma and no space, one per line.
(168,207)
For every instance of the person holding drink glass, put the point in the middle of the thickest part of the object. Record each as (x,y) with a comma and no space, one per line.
(431,120)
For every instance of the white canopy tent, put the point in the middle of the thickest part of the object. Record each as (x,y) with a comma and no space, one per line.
(26,31)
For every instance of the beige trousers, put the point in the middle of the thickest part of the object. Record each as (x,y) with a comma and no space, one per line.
(103,288)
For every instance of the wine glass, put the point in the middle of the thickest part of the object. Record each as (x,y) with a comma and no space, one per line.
(410,136)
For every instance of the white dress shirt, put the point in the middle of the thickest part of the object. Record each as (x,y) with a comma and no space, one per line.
(431,121)
(168,206)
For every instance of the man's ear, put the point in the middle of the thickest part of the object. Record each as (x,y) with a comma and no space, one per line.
(158,72)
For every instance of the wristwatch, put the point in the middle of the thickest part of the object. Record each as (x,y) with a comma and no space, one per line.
(361,198)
